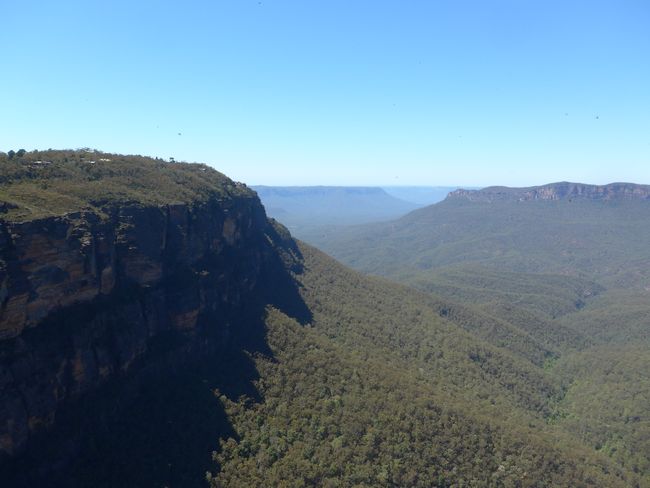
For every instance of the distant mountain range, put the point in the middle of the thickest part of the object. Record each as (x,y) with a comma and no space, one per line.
(422,195)
(545,227)
(309,211)
(557,191)
(308,206)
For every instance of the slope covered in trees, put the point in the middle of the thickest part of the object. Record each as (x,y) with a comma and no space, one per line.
(380,390)
(566,264)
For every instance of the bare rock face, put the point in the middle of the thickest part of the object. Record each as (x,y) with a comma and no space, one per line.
(87,299)
(557,191)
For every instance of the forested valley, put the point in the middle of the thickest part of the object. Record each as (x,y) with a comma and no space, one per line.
(159,330)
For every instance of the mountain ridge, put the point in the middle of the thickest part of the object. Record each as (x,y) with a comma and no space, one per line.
(308,209)
(556,191)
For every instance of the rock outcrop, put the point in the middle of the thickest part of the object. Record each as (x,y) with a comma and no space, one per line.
(88,299)
(556,191)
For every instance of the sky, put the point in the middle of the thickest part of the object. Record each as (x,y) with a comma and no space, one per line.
(338,92)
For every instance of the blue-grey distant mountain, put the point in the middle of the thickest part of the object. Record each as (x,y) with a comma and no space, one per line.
(560,227)
(298,207)
(556,191)
(421,195)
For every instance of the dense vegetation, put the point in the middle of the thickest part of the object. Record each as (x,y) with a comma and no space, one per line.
(380,390)
(42,183)
(606,403)
(571,274)
(591,238)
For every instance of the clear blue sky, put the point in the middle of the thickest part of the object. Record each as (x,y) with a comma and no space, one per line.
(338,92)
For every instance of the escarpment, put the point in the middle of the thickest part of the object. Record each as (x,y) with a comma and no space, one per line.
(557,191)
(55,262)
(84,299)
(107,296)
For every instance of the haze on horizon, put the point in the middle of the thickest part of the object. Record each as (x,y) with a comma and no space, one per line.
(338,93)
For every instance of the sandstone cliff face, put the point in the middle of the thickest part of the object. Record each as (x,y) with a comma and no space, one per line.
(557,191)
(86,299)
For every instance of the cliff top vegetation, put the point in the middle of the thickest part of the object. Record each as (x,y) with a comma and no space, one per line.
(54,182)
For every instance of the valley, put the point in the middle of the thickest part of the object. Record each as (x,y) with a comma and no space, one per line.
(565,264)
(158,329)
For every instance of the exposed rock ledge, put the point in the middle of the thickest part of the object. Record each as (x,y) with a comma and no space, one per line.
(86,299)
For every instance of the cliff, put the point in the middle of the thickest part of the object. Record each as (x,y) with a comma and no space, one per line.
(556,191)
(113,292)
